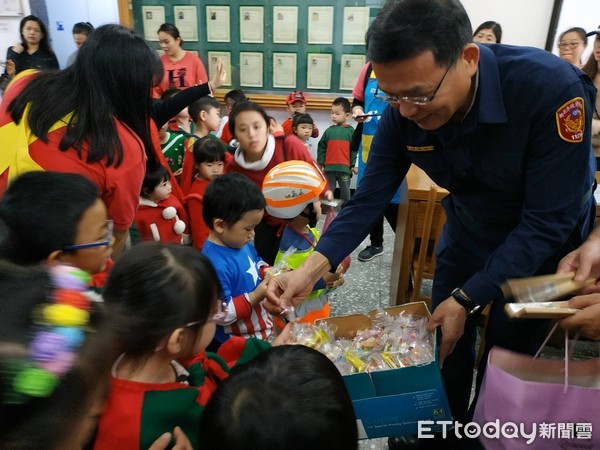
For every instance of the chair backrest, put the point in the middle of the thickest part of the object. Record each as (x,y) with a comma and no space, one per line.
(429,234)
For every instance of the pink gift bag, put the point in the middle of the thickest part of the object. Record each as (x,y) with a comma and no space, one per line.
(531,403)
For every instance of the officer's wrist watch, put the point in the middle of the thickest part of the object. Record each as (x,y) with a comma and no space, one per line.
(470,306)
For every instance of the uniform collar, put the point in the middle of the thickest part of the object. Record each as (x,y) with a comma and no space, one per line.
(489,93)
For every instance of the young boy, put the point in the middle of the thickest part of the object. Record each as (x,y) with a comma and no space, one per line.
(334,154)
(233,207)
(292,190)
(209,159)
(160,216)
(206,115)
(231,98)
(77,232)
(296,103)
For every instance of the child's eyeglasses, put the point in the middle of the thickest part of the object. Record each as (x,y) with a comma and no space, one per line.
(103,243)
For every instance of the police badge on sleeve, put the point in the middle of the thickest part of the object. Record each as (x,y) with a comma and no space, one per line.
(570,120)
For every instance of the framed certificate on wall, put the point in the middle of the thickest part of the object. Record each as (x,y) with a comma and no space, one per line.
(152,18)
(217,24)
(318,71)
(251,69)
(252,24)
(284,70)
(285,24)
(186,20)
(350,67)
(320,24)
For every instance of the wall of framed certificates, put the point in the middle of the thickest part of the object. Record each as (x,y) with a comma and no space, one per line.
(272,45)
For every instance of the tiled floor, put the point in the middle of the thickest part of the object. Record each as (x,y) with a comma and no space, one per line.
(366,288)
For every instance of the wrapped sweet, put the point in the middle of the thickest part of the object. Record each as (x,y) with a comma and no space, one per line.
(392,342)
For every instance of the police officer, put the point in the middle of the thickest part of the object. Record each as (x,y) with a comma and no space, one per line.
(505,130)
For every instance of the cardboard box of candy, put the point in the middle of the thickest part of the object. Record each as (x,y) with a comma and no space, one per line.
(389,363)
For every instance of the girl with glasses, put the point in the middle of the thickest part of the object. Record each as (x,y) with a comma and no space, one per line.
(166,301)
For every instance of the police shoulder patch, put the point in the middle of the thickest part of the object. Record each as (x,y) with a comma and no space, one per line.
(570,120)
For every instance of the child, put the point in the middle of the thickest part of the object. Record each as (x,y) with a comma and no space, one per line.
(182,122)
(81,31)
(160,216)
(303,126)
(167,301)
(206,115)
(294,197)
(173,134)
(233,207)
(55,217)
(209,159)
(334,154)
(231,98)
(55,358)
(258,152)
(296,103)
(294,389)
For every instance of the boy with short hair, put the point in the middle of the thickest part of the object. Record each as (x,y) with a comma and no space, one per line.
(296,103)
(334,153)
(206,115)
(231,98)
(233,207)
(35,230)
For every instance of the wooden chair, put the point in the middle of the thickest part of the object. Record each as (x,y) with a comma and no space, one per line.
(427,233)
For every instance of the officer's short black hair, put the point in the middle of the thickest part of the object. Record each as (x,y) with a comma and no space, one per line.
(404,29)
(83,28)
(228,197)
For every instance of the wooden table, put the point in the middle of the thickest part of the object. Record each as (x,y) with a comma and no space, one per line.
(413,198)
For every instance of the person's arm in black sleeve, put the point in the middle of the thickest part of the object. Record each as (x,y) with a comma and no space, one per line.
(163,110)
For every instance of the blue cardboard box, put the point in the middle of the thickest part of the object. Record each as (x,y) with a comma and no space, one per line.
(391,402)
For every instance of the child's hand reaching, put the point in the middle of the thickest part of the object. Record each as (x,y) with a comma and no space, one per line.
(335,280)
(258,294)
(181,441)
(284,336)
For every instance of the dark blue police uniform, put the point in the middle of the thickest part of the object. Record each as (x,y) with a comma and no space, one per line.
(520,172)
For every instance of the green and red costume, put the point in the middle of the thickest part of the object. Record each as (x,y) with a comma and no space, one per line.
(136,414)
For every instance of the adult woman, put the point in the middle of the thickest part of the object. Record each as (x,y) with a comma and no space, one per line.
(181,68)
(91,118)
(571,45)
(258,152)
(33,52)
(592,68)
(489,32)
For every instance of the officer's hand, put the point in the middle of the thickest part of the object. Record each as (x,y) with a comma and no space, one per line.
(587,321)
(451,317)
(285,290)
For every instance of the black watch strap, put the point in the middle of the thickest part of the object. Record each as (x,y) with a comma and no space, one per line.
(470,306)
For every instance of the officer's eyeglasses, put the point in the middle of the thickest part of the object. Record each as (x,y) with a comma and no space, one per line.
(425,100)
(569,44)
(103,243)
